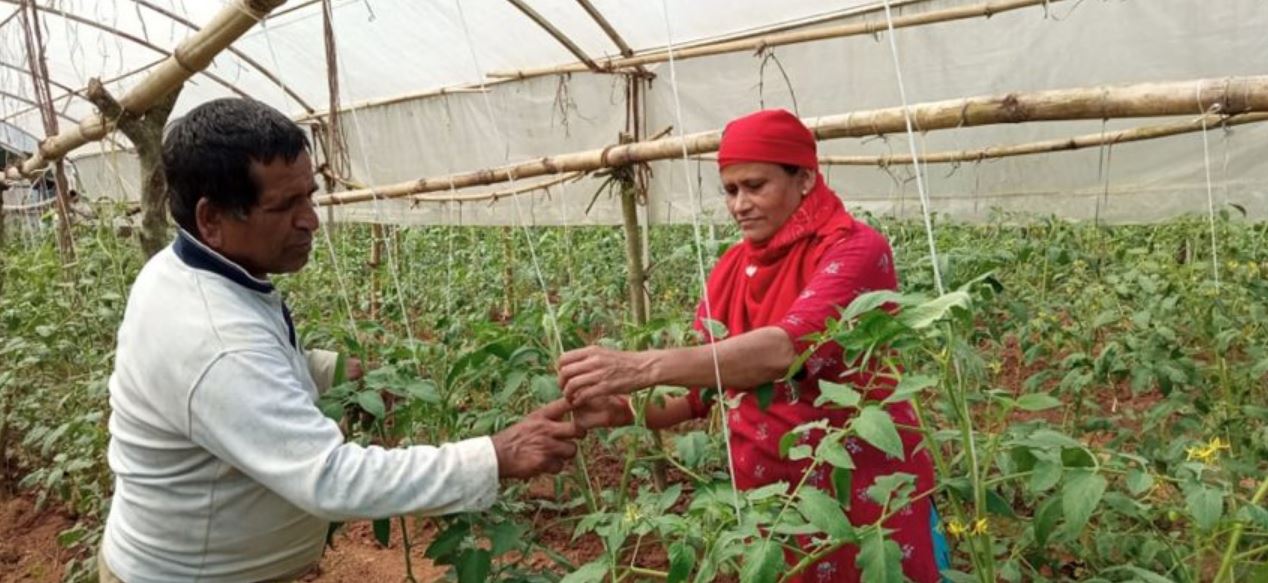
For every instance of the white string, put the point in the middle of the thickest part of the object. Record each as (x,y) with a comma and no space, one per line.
(1210,193)
(915,160)
(695,227)
(519,217)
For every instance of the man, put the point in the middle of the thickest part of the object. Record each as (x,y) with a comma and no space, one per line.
(225,468)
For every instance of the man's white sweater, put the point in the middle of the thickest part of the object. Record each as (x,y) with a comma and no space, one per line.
(225,468)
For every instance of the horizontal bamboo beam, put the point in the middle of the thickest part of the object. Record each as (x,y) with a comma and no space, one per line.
(194,54)
(1227,96)
(555,33)
(985,9)
(455,90)
(1058,145)
(268,74)
(483,85)
(496,195)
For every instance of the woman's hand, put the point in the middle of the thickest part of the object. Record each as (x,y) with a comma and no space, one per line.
(594,372)
(603,412)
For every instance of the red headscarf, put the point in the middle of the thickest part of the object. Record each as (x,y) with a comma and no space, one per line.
(755,283)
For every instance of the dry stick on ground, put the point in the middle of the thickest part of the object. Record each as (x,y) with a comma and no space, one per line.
(1228,96)
(146,133)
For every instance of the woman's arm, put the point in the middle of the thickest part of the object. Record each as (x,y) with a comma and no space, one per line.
(744,361)
(615,411)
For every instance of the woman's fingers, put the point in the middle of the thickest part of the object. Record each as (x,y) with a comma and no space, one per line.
(584,385)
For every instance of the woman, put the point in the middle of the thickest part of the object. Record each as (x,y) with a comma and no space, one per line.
(801,260)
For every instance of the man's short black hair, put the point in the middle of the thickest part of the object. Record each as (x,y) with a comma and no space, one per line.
(208,154)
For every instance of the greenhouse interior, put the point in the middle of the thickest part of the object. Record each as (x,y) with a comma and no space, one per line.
(611,291)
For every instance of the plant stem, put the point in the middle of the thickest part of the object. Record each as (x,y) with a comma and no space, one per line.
(1226,564)
(409,565)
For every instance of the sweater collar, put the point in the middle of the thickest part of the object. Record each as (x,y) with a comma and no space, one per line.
(195,254)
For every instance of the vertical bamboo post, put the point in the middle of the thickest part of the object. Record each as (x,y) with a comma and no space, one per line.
(39,75)
(376,259)
(508,273)
(634,254)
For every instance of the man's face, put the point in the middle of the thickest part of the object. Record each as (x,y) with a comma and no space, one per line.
(275,235)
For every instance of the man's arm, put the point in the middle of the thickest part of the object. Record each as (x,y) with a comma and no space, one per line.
(251,411)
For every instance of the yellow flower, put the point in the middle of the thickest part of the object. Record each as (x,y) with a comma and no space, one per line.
(980,526)
(1207,453)
(956,529)
(632,514)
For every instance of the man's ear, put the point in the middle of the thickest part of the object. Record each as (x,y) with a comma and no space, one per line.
(210,221)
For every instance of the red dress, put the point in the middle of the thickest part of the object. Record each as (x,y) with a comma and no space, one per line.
(818,262)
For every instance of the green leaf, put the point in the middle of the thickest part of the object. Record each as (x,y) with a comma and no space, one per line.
(880,560)
(764,563)
(842,482)
(546,388)
(767,491)
(514,380)
(765,395)
(1038,402)
(870,301)
(383,531)
(341,371)
(691,447)
(832,452)
(505,537)
(1046,520)
(800,452)
(422,390)
(682,559)
(716,329)
(823,511)
(1206,506)
(909,386)
(474,565)
(371,402)
(1080,496)
(1047,471)
(1139,482)
(926,314)
(876,427)
(442,549)
(837,394)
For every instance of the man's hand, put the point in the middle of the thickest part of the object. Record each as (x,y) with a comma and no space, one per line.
(540,443)
(352,370)
(594,372)
(610,411)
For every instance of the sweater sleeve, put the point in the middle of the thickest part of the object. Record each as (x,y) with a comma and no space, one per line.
(251,411)
(322,364)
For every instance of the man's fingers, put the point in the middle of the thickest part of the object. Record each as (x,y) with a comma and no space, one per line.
(553,410)
(561,449)
(562,430)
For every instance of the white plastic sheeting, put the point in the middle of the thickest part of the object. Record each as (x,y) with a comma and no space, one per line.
(393,48)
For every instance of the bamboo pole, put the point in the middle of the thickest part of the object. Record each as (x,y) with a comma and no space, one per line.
(235,52)
(38,63)
(495,196)
(193,55)
(1057,145)
(1228,96)
(608,29)
(554,32)
(132,38)
(456,90)
(78,92)
(985,9)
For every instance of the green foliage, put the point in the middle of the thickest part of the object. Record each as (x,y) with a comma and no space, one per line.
(1072,397)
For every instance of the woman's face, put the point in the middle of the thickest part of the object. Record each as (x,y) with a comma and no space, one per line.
(761,196)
